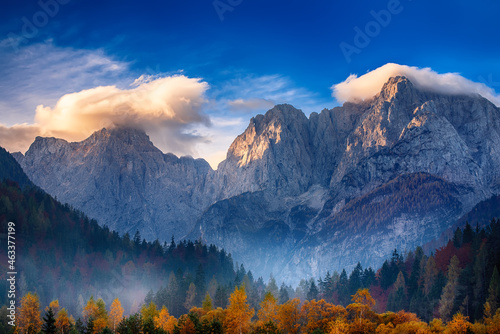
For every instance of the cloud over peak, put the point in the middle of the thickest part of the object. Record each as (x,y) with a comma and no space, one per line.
(164,107)
(366,86)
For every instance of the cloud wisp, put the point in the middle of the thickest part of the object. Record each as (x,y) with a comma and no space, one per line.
(364,87)
(163,107)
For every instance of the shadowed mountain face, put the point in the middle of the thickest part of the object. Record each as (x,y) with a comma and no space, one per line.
(121,179)
(295,195)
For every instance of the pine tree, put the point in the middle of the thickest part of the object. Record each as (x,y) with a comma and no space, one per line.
(272,287)
(284,297)
(49,325)
(313,291)
(494,291)
(449,292)
(398,299)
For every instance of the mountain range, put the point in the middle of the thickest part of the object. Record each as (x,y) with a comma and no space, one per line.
(296,195)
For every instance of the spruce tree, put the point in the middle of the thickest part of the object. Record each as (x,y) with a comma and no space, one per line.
(49,322)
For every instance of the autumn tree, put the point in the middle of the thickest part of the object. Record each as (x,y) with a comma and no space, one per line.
(101,319)
(28,316)
(207,303)
(149,312)
(63,322)
(459,325)
(268,309)
(362,304)
(238,313)
(316,315)
(165,321)
(90,310)
(339,326)
(54,305)
(115,314)
(289,317)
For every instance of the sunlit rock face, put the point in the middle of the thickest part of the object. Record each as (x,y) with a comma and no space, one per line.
(296,196)
(393,172)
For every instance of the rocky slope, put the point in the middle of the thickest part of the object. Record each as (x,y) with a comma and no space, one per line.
(121,179)
(366,159)
(295,196)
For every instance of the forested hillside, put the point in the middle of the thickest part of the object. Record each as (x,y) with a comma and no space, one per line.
(61,254)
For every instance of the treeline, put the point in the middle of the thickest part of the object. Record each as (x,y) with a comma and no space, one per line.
(60,249)
(406,194)
(291,317)
(460,277)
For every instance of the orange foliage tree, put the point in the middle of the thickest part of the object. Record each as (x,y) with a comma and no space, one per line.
(165,321)
(289,317)
(63,322)
(318,314)
(458,325)
(238,313)
(54,305)
(268,309)
(363,303)
(28,318)
(115,314)
(90,310)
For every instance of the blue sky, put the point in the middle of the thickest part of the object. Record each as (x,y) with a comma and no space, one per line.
(258,54)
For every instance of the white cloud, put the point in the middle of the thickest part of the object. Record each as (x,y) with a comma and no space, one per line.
(356,88)
(164,107)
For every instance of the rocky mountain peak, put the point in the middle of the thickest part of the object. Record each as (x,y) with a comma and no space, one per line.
(120,136)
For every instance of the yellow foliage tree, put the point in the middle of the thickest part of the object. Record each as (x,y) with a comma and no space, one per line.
(28,317)
(54,305)
(101,319)
(165,321)
(268,309)
(363,302)
(63,322)
(289,317)
(319,314)
(238,313)
(338,326)
(91,310)
(493,326)
(149,311)
(115,314)
(218,314)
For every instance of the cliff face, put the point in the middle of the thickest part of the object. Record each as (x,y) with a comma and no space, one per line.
(295,195)
(391,172)
(119,178)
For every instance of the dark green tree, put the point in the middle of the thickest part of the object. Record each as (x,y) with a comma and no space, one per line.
(49,322)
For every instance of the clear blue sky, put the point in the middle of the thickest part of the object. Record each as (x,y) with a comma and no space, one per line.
(280,51)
